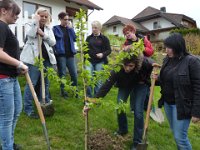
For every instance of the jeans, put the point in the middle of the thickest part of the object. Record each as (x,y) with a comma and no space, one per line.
(179,127)
(92,68)
(10,109)
(35,75)
(123,94)
(137,98)
(70,63)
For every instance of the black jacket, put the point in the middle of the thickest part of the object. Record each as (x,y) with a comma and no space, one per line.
(98,44)
(127,80)
(121,79)
(186,85)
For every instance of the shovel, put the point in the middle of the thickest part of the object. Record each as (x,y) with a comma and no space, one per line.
(144,144)
(47,108)
(37,103)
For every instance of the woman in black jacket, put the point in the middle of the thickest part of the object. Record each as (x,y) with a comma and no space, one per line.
(180,88)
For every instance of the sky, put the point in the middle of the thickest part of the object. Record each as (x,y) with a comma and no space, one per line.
(130,8)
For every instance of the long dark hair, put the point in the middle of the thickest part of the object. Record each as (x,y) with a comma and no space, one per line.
(10,5)
(177,43)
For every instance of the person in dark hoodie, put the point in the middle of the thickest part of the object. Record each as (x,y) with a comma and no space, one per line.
(180,89)
(65,50)
(99,49)
(132,80)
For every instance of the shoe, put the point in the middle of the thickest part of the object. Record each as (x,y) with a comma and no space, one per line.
(33,115)
(133,147)
(119,133)
(17,147)
(64,95)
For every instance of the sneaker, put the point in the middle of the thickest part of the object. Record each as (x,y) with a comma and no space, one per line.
(119,133)
(17,147)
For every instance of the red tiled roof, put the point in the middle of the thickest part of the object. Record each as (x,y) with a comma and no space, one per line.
(86,3)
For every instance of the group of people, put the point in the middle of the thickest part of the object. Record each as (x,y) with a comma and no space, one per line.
(179,77)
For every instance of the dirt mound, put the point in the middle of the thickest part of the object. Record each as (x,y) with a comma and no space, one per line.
(103,140)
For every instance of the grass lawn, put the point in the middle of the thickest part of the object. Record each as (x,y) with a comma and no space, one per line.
(66,127)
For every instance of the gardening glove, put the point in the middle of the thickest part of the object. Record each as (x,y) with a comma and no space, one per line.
(195,119)
(86,109)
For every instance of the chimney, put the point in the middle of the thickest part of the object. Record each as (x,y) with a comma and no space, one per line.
(163,9)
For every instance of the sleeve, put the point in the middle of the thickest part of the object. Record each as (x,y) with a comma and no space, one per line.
(148,51)
(105,88)
(194,72)
(107,47)
(50,38)
(32,32)
(3,31)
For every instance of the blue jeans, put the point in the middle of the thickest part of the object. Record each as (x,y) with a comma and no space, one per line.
(10,109)
(123,94)
(137,98)
(35,75)
(179,127)
(70,63)
(92,68)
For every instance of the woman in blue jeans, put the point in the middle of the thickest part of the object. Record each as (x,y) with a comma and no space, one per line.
(10,68)
(65,50)
(180,88)
(98,50)
(40,26)
(133,79)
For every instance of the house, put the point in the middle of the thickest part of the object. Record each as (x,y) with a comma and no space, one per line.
(29,7)
(156,23)
(116,23)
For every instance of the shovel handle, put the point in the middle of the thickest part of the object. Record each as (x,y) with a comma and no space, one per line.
(37,103)
(155,71)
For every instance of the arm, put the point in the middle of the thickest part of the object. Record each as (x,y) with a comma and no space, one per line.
(105,88)
(194,72)
(32,32)
(148,51)
(5,58)
(107,47)
(49,38)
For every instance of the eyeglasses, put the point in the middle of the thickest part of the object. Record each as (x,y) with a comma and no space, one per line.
(66,19)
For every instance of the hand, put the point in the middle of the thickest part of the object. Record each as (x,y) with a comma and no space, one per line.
(69,24)
(127,48)
(99,55)
(22,68)
(40,32)
(195,119)
(36,17)
(85,110)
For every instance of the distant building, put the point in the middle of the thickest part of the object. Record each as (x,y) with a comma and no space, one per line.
(29,7)
(153,22)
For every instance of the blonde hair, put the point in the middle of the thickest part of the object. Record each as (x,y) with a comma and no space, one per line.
(42,9)
(97,24)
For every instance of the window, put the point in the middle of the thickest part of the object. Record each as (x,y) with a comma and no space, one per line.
(114,29)
(30,8)
(156,25)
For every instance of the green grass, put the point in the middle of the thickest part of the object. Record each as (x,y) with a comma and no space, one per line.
(66,127)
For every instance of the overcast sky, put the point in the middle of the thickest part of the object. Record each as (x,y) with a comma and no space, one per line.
(130,8)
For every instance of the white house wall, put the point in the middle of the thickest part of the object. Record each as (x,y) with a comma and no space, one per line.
(119,28)
(56,7)
(162,22)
